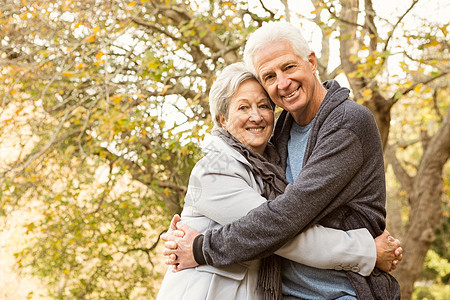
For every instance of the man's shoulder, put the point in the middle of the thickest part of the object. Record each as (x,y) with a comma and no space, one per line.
(353,113)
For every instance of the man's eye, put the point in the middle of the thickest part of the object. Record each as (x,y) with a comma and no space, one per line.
(269,78)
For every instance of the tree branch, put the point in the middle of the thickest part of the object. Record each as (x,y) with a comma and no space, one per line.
(394,99)
(272,15)
(405,180)
(391,34)
(370,25)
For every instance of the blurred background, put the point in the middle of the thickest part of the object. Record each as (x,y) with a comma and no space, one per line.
(104,105)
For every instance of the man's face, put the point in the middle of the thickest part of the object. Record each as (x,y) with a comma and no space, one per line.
(288,79)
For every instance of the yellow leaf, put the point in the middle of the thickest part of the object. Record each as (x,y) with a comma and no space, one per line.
(19,110)
(77,25)
(67,74)
(91,39)
(96,29)
(432,44)
(367,92)
(165,156)
(66,271)
(166,192)
(99,55)
(428,116)
(132,3)
(12,92)
(79,66)
(116,99)
(417,88)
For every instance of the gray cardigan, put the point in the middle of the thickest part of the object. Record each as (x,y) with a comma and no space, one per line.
(341,185)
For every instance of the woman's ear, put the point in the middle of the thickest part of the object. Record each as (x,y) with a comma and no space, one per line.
(222,121)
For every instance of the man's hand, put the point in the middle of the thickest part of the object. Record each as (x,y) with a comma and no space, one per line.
(178,245)
(389,252)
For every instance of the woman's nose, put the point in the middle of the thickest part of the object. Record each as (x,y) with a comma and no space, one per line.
(255,115)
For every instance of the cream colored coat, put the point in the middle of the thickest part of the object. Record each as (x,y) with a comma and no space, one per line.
(221,190)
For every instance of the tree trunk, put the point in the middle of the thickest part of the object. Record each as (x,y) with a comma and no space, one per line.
(425,189)
(425,198)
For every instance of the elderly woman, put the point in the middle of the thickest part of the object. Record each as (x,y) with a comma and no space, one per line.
(239,172)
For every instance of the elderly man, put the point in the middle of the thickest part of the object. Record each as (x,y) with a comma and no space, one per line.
(332,155)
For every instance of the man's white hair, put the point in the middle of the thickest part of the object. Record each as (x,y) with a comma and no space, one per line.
(274,32)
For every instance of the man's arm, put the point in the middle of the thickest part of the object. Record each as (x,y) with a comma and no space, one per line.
(265,229)
(320,188)
(180,249)
(225,196)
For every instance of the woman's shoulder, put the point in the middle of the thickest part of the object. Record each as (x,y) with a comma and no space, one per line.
(220,155)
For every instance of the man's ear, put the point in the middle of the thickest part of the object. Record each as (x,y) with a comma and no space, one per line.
(222,121)
(313,61)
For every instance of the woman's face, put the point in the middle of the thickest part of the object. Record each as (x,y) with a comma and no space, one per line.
(250,116)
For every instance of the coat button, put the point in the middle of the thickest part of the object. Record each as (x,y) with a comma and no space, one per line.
(355,269)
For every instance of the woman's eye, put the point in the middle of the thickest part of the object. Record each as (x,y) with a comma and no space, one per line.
(243,107)
(264,106)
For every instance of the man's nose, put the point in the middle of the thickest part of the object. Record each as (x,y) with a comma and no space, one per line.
(283,81)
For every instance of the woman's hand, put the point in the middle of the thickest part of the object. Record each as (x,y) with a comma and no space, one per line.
(178,245)
(389,252)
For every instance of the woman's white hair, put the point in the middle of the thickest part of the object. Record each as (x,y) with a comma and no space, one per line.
(226,84)
(273,32)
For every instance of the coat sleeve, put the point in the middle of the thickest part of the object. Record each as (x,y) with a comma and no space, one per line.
(327,248)
(225,194)
(321,185)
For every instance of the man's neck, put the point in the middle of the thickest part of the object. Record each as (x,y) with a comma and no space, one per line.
(308,114)
(305,116)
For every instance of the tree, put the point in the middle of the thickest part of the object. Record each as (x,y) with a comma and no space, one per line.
(85,94)
(364,54)
(105,103)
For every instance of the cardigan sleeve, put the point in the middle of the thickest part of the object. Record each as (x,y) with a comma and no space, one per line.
(328,248)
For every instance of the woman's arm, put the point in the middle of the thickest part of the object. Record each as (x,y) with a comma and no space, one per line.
(327,248)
